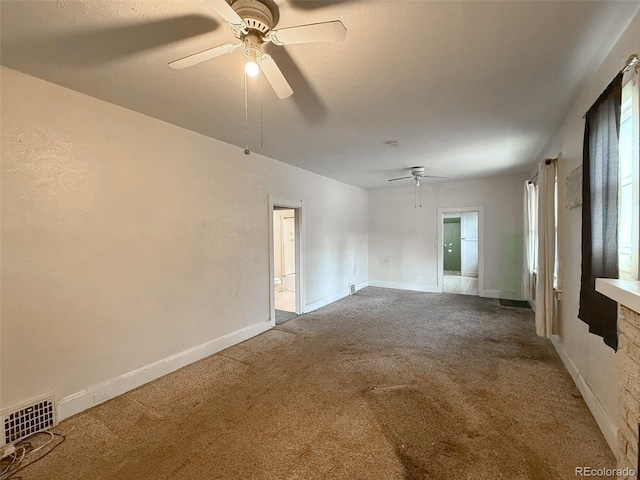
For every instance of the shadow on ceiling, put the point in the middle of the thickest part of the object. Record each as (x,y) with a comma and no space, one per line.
(304,96)
(314,4)
(106,44)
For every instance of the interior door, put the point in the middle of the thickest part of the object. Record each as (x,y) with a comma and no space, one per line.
(289,253)
(452,247)
(469,245)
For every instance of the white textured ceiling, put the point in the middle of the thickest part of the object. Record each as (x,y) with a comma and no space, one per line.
(470,89)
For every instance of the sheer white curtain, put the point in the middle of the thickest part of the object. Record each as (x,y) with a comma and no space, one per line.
(530,222)
(546,248)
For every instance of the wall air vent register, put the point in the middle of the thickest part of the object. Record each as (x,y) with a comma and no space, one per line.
(28,419)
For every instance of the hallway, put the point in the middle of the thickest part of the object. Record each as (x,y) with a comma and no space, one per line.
(460,285)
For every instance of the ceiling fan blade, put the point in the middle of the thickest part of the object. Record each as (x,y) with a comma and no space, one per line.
(202,56)
(399,178)
(434,176)
(315,32)
(225,11)
(275,77)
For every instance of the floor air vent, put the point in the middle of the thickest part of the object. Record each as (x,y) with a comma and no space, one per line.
(352,288)
(29,419)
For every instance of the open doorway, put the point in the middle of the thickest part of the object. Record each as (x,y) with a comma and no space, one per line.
(284,259)
(285,266)
(460,253)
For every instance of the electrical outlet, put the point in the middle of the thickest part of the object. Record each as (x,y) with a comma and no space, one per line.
(7,450)
(100,397)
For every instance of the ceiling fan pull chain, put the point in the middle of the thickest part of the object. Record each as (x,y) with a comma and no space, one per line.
(246,117)
(261,121)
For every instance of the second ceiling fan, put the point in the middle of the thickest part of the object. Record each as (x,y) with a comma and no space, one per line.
(252,22)
(417,173)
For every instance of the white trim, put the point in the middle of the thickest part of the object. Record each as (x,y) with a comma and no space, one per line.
(624,292)
(406,286)
(607,426)
(332,298)
(85,399)
(298,206)
(310,307)
(489,293)
(441,212)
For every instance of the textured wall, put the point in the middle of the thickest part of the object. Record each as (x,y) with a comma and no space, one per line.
(126,240)
(592,360)
(403,240)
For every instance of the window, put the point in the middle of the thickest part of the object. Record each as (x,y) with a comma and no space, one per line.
(628,198)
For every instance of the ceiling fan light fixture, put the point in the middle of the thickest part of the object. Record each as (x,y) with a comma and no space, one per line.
(251,67)
(252,53)
(252,22)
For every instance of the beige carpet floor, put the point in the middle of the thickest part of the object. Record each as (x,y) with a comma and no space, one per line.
(384,384)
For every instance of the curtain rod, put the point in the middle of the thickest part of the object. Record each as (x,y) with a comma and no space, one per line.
(547,161)
(631,62)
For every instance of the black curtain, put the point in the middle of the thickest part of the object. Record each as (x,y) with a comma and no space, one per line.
(600,212)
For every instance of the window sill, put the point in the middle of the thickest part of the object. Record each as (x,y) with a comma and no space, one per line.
(625,292)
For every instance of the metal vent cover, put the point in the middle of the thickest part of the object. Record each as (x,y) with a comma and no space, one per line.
(29,419)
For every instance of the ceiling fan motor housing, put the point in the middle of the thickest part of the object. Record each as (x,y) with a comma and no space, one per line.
(257,15)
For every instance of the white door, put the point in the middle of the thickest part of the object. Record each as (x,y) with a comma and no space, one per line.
(469,240)
(289,253)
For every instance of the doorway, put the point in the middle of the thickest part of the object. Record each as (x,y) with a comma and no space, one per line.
(460,250)
(452,253)
(286,295)
(284,259)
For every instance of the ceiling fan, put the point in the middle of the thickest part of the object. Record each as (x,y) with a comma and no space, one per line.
(417,173)
(252,22)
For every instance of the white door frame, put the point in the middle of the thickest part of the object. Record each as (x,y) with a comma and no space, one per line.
(298,206)
(441,212)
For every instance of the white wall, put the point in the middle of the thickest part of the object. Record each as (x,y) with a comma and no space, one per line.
(403,245)
(128,242)
(592,364)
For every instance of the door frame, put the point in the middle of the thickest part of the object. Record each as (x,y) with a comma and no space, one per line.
(298,207)
(440,216)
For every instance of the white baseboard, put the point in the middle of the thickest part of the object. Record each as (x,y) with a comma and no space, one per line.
(425,288)
(607,426)
(310,307)
(405,286)
(96,394)
(489,293)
